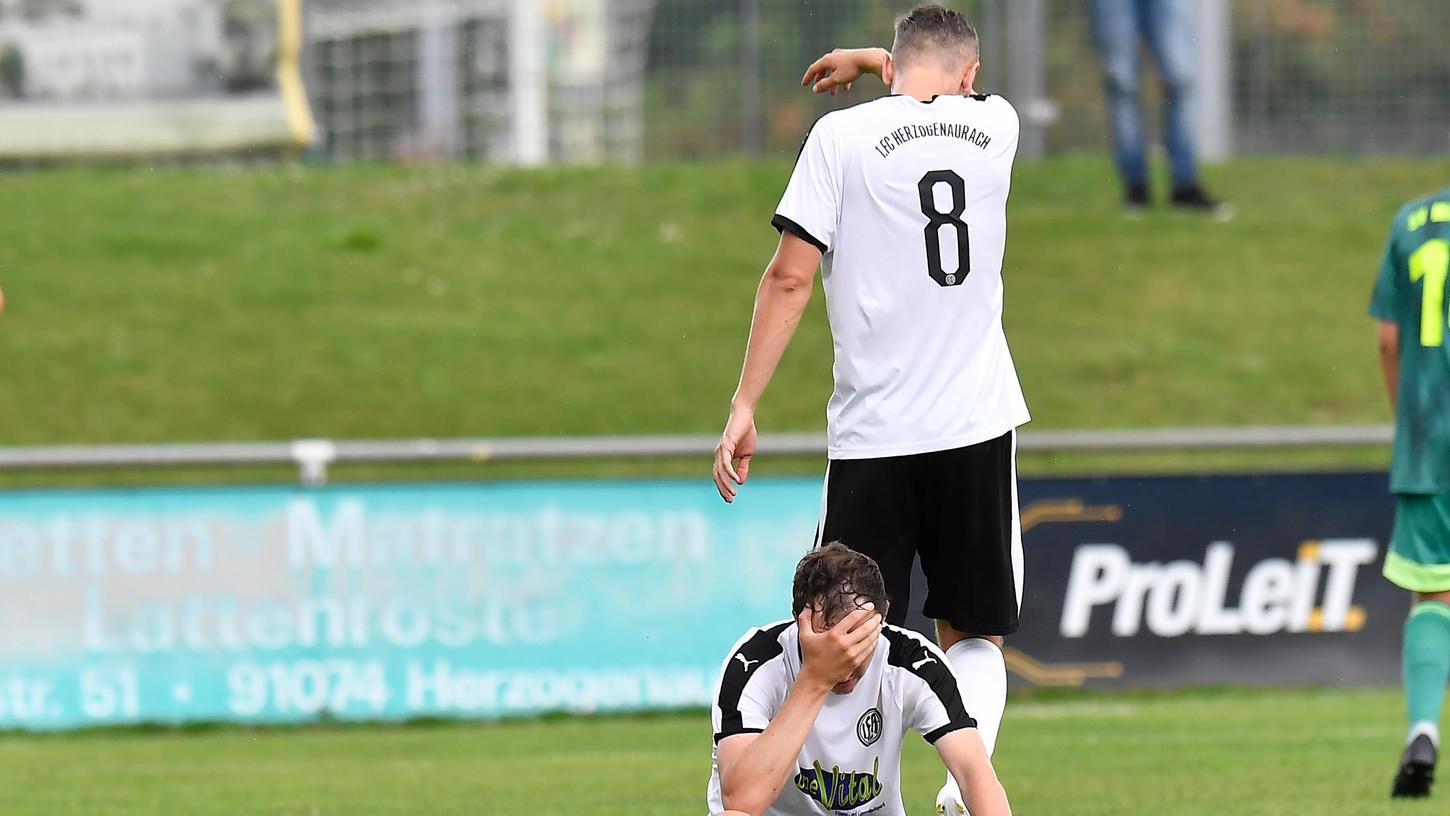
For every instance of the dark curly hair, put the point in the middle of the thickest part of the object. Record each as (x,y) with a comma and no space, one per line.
(834,580)
(934,29)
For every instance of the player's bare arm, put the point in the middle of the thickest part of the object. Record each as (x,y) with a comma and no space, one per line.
(838,70)
(966,759)
(754,768)
(1389,342)
(784,292)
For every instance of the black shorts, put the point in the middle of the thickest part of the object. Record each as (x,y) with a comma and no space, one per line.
(957,509)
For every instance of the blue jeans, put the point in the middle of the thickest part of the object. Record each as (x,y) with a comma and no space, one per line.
(1168,29)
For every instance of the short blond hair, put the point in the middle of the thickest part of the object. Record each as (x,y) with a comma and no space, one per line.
(936,31)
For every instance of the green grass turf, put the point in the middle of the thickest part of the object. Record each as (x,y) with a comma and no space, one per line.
(1245,752)
(206,304)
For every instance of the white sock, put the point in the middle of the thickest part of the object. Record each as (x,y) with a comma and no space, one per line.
(982,678)
(1427,728)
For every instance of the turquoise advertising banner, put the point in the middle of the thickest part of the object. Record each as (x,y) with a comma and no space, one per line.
(382,602)
(491,600)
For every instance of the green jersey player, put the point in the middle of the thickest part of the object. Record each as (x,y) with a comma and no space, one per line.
(1409,303)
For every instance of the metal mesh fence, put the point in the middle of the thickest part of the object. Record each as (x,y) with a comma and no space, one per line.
(491,80)
(1306,75)
(1365,76)
(724,75)
(672,79)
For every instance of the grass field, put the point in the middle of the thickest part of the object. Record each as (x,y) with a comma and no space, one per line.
(1246,753)
(390,301)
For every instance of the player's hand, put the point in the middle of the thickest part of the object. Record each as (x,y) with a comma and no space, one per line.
(832,656)
(733,454)
(838,70)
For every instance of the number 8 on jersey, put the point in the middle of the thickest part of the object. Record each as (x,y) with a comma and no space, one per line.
(936,220)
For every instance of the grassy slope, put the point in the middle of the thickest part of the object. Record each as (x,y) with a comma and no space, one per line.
(1244,752)
(369,302)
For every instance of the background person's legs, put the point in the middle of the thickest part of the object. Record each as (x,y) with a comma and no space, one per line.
(1170,29)
(1168,26)
(1115,28)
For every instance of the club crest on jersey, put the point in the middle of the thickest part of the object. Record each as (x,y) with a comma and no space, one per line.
(837,789)
(868,728)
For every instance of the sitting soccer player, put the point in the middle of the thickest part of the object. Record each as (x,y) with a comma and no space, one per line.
(810,713)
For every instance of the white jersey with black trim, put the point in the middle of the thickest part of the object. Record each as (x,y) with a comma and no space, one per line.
(850,764)
(908,202)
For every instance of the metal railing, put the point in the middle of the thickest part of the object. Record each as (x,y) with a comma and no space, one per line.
(313,457)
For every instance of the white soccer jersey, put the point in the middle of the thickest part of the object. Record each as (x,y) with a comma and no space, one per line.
(850,764)
(908,202)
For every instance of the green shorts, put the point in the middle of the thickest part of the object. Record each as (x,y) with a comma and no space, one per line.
(1419,554)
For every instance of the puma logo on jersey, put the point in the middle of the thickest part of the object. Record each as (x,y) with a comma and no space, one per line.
(744,662)
(922,662)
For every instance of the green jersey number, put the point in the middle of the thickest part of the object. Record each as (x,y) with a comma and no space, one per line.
(1431,262)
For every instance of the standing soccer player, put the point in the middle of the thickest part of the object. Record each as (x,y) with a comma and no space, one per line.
(1409,302)
(902,203)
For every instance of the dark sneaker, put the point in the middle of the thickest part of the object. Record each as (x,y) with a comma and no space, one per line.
(1195,199)
(1417,769)
(1135,199)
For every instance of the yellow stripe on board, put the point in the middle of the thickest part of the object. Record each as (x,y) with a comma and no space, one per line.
(1058,674)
